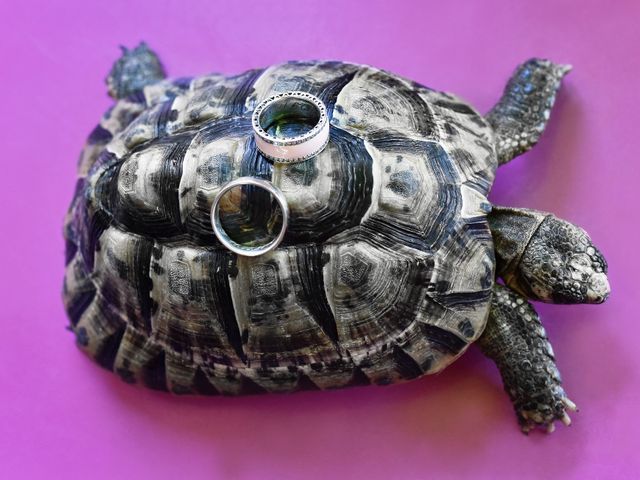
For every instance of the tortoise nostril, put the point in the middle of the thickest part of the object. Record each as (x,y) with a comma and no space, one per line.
(599,288)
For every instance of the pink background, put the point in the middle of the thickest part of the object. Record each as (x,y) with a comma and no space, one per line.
(63,417)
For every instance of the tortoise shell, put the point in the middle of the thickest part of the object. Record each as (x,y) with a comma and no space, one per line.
(386,270)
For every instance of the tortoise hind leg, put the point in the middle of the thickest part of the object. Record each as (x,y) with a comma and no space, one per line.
(516,341)
(133,71)
(521,114)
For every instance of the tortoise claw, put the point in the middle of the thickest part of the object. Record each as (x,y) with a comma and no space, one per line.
(545,418)
(570,405)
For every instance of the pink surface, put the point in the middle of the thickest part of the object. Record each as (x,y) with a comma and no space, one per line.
(63,417)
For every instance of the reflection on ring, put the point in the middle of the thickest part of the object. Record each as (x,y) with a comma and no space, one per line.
(291,127)
(248,250)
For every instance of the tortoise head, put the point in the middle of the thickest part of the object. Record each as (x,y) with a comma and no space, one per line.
(562,265)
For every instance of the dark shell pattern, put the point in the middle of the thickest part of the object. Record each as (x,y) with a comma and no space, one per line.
(386,270)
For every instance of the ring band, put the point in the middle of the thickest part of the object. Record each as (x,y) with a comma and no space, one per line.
(299,106)
(222,235)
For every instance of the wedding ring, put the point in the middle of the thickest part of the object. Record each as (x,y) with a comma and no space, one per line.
(293,109)
(226,240)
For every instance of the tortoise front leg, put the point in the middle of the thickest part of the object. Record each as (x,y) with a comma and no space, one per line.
(521,115)
(516,341)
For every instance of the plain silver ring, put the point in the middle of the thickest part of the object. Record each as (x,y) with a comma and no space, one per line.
(291,149)
(222,235)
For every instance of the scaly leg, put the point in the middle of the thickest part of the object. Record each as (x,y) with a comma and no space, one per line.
(516,341)
(521,114)
(134,70)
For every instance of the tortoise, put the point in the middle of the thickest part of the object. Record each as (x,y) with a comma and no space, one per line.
(390,266)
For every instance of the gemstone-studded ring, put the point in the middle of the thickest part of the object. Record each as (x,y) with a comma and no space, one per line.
(291,108)
(226,240)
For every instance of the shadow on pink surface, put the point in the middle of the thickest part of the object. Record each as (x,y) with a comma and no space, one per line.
(451,420)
